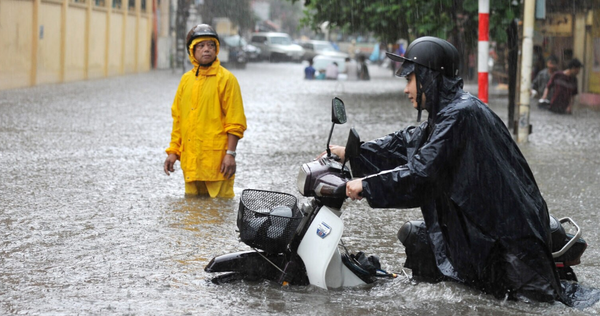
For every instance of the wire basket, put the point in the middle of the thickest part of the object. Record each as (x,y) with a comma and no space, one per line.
(267,220)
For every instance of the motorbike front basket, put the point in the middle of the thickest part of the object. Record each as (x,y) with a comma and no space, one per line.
(267,220)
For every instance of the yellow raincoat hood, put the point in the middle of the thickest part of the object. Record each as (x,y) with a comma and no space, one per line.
(196,41)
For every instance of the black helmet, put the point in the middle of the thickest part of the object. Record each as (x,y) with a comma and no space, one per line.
(199,31)
(431,52)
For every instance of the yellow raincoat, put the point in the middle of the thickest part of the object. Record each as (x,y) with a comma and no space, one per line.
(208,106)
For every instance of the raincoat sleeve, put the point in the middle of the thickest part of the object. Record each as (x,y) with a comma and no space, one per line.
(384,153)
(411,184)
(233,108)
(175,144)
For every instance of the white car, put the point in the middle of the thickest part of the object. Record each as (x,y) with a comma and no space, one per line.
(276,46)
(313,48)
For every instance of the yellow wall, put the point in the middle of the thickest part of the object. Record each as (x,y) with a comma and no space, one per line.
(97,44)
(52,41)
(16,43)
(115,44)
(130,54)
(48,61)
(594,82)
(75,44)
(144,41)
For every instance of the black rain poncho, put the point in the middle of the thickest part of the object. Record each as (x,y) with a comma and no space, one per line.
(487,223)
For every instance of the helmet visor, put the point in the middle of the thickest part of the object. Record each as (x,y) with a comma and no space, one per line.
(405,69)
(406,66)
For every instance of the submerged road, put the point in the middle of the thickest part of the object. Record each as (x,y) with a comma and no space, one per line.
(90,224)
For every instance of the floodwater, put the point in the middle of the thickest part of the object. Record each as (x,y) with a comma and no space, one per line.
(90,224)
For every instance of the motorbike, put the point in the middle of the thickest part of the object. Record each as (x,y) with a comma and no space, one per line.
(567,247)
(300,244)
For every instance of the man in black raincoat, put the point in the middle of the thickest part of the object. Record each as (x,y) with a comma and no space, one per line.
(487,224)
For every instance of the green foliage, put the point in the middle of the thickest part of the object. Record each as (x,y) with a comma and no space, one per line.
(288,13)
(501,14)
(238,11)
(383,19)
(390,20)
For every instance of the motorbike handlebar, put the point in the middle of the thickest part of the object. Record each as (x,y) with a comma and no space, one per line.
(335,157)
(340,190)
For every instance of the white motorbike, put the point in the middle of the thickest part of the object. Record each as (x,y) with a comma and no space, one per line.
(300,244)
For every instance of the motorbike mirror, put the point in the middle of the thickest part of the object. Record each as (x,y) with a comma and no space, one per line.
(338,116)
(338,111)
(352,145)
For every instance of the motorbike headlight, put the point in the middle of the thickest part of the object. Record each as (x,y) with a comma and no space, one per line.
(301,182)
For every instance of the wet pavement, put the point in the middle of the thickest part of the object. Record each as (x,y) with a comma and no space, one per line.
(89,223)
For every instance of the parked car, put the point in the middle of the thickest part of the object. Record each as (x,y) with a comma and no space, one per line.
(313,48)
(232,53)
(277,46)
(252,52)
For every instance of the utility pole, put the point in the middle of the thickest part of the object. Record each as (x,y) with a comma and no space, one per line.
(513,70)
(526,60)
(181,29)
(483,50)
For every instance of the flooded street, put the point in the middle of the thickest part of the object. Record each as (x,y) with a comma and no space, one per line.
(91,225)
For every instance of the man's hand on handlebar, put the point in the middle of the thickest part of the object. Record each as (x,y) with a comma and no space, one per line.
(354,189)
(339,151)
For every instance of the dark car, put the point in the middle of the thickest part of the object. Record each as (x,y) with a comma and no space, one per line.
(252,52)
(232,52)
(276,46)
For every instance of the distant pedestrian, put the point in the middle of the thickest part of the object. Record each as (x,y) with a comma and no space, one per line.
(331,72)
(320,74)
(208,119)
(309,71)
(541,80)
(351,69)
(564,84)
(472,66)
(363,70)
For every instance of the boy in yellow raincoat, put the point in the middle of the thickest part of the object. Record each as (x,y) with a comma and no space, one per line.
(208,120)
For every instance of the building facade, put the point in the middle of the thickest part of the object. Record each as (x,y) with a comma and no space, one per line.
(571,29)
(53,41)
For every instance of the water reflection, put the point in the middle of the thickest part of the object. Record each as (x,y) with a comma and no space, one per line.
(204,221)
(91,225)
(201,212)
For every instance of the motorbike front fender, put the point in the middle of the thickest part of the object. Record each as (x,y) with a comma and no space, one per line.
(248,263)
